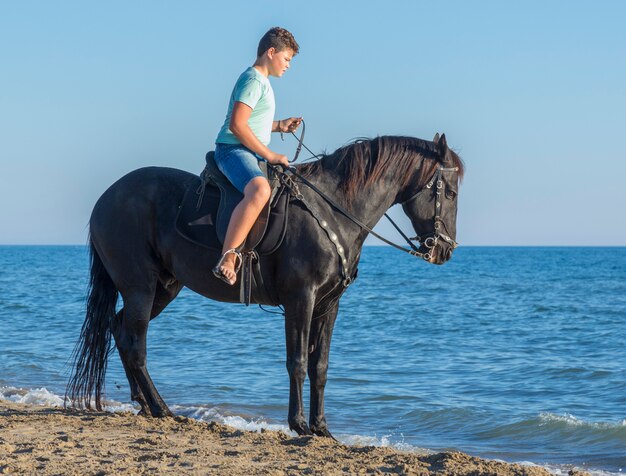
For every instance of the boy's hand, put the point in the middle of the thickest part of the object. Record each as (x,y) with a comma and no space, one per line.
(278,159)
(289,125)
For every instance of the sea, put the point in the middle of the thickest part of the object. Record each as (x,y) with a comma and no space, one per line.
(509,353)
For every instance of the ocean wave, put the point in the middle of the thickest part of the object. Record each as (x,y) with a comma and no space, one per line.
(216,414)
(43,397)
(386,441)
(35,396)
(564,428)
(568,422)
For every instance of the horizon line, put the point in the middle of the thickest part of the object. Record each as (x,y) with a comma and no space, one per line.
(364,246)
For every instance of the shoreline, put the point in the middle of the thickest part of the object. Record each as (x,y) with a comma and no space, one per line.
(50,440)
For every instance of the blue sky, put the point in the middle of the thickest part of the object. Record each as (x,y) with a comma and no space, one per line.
(531,94)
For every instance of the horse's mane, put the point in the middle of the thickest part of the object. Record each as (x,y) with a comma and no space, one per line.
(364,161)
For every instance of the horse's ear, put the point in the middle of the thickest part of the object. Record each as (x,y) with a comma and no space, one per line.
(442,145)
(436,139)
(442,141)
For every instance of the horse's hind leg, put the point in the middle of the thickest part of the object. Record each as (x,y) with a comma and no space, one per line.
(135,392)
(319,348)
(163,296)
(131,344)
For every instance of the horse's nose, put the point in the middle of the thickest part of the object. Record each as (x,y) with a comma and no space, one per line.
(448,254)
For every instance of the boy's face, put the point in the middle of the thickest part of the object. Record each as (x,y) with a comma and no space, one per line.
(279,61)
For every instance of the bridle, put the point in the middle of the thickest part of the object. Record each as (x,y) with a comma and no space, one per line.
(439,226)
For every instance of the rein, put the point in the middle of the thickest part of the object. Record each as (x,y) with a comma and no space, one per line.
(429,242)
(414,249)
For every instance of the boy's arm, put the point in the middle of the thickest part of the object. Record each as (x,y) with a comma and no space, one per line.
(240,128)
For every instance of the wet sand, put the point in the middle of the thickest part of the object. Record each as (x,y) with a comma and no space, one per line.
(52,441)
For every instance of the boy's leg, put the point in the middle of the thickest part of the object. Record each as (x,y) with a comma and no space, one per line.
(256,194)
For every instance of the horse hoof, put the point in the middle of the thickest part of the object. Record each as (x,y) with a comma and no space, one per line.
(160,413)
(301,428)
(323,431)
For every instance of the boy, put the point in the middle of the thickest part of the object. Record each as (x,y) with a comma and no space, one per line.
(244,137)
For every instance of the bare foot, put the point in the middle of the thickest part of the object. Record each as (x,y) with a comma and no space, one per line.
(226,270)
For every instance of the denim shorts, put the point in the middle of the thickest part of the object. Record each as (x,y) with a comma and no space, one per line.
(238,163)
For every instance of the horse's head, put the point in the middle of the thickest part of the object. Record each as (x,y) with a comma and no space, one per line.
(432,209)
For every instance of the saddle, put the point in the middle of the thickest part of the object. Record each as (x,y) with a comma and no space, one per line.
(205,212)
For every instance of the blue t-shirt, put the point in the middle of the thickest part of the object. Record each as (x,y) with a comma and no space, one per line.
(254,90)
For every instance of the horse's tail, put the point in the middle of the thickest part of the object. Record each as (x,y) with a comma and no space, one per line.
(94,345)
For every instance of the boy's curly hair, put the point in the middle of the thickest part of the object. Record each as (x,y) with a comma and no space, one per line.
(277,38)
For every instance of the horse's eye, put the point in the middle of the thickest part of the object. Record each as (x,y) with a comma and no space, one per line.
(450,194)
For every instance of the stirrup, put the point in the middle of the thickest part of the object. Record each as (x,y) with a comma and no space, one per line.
(217,272)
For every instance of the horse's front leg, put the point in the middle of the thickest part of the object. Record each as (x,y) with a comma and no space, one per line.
(319,348)
(297,326)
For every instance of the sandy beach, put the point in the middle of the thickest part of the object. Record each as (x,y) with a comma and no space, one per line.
(52,441)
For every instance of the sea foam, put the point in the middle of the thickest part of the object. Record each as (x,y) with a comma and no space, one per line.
(35,396)
(42,396)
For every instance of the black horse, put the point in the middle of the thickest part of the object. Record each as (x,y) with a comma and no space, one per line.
(136,252)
